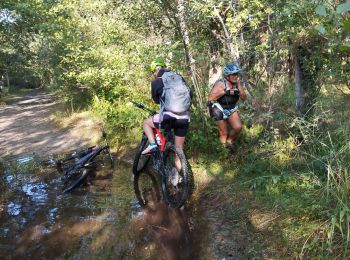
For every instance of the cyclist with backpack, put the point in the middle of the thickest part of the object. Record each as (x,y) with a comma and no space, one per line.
(222,104)
(169,90)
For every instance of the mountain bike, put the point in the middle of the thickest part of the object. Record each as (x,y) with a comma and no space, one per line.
(169,162)
(77,166)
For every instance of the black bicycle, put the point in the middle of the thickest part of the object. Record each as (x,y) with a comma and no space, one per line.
(169,162)
(77,166)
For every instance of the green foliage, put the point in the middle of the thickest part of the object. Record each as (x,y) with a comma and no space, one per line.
(198,142)
(306,175)
(96,55)
(333,25)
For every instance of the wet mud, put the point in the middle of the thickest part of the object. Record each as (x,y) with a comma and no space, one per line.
(101,219)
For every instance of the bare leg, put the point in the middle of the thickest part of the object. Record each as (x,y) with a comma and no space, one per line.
(235,122)
(179,142)
(222,126)
(148,129)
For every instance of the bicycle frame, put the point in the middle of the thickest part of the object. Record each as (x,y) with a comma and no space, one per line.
(165,136)
(90,156)
(77,172)
(162,138)
(156,131)
(76,155)
(91,153)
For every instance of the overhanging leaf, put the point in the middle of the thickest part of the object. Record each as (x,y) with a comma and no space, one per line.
(320,28)
(342,8)
(321,10)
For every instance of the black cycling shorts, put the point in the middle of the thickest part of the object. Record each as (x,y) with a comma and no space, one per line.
(180,126)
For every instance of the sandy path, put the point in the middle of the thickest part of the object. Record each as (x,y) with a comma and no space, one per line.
(26,127)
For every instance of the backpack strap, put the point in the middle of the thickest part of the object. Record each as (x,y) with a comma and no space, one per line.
(220,80)
(225,81)
(216,104)
(162,102)
(161,111)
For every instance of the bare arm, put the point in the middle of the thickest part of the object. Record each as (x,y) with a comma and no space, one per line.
(217,92)
(242,93)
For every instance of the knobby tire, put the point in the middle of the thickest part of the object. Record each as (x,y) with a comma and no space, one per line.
(77,178)
(146,190)
(174,197)
(140,161)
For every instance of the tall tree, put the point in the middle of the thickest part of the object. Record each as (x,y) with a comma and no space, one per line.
(188,49)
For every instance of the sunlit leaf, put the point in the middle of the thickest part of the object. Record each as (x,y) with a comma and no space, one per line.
(321,10)
(333,220)
(347,25)
(320,28)
(343,8)
(345,46)
(342,214)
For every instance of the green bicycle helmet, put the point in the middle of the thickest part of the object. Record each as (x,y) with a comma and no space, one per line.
(157,63)
(231,69)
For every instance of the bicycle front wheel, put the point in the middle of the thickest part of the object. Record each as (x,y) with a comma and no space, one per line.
(146,189)
(75,179)
(176,177)
(140,160)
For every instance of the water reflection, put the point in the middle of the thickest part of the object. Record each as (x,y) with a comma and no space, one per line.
(100,220)
(13,209)
(167,227)
(37,191)
(24,159)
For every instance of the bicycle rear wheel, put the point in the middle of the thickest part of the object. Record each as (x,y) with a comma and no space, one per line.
(75,179)
(176,177)
(140,160)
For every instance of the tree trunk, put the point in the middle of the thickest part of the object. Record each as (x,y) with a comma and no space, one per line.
(215,70)
(233,51)
(186,40)
(299,89)
(8,81)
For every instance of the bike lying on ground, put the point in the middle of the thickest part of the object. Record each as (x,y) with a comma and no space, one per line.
(79,165)
(169,162)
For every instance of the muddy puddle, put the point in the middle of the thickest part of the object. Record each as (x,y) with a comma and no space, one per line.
(102,219)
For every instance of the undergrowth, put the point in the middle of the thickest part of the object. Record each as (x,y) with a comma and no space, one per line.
(301,168)
(296,167)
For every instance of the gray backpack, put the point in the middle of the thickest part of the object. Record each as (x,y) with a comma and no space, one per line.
(176,95)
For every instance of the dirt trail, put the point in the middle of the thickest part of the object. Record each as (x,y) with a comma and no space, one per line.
(26,127)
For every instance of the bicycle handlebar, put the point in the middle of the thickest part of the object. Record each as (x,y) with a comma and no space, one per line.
(142,106)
